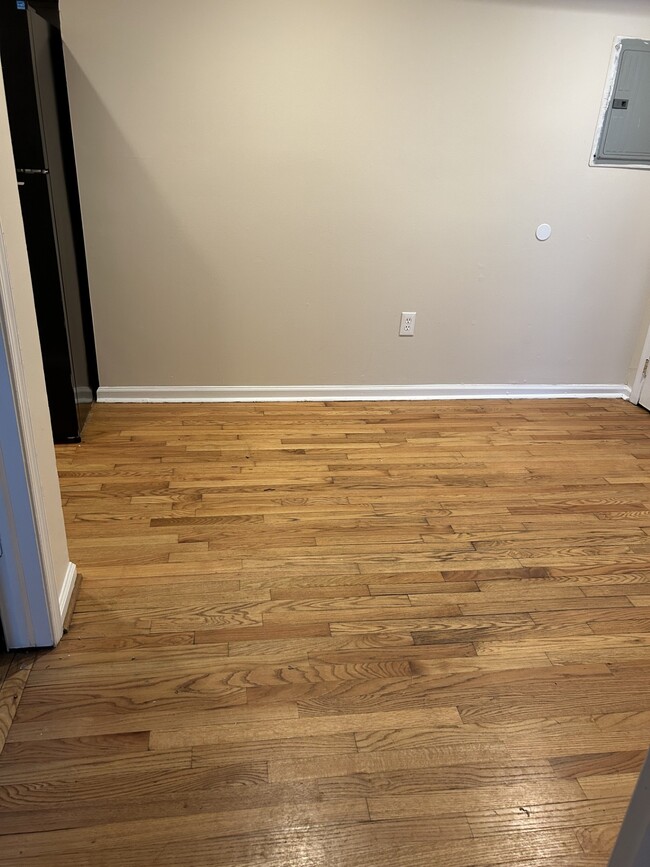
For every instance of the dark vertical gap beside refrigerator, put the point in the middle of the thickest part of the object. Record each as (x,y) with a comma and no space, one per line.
(41,133)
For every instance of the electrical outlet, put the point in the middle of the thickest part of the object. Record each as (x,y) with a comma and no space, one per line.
(407,325)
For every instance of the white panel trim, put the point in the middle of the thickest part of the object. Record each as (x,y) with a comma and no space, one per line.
(251,393)
(65,594)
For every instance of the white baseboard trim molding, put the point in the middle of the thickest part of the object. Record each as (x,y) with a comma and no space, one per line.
(251,393)
(65,593)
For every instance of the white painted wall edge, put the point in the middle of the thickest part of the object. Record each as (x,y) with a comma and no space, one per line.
(637,385)
(250,393)
(65,593)
(34,616)
(23,617)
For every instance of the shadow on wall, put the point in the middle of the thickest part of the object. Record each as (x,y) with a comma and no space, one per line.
(132,307)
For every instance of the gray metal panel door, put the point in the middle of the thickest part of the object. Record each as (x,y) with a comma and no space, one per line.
(626,133)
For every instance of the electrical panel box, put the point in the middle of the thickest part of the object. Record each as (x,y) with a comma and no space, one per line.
(623,136)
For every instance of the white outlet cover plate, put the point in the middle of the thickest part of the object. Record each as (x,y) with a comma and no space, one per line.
(407,325)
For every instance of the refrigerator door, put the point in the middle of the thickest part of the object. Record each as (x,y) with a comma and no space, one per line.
(41,133)
(21,95)
(48,69)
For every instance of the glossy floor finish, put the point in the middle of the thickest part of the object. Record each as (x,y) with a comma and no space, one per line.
(14,670)
(380,634)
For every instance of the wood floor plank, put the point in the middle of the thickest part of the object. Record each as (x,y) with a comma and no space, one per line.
(225,732)
(599,839)
(15,675)
(619,785)
(465,801)
(376,843)
(184,828)
(53,749)
(538,817)
(538,739)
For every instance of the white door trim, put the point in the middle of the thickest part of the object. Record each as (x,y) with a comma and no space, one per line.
(32,612)
(637,385)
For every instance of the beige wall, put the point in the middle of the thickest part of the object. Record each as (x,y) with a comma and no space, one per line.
(35,421)
(266,184)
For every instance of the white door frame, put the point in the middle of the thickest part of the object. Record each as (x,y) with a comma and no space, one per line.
(639,379)
(30,605)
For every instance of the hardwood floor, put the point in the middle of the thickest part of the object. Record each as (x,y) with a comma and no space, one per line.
(380,634)
(14,671)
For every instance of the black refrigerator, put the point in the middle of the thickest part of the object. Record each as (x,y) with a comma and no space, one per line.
(39,118)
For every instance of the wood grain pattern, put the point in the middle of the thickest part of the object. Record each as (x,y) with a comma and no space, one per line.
(14,672)
(364,633)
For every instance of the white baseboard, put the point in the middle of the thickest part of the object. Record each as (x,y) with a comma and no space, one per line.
(65,593)
(251,393)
